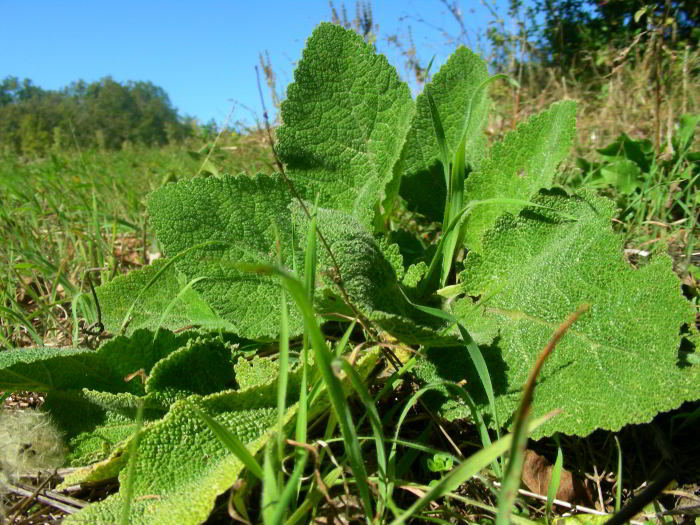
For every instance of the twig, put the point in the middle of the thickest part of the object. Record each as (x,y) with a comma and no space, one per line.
(29,496)
(595,477)
(96,328)
(561,503)
(637,504)
(50,497)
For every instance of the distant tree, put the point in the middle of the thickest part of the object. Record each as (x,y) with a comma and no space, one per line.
(7,89)
(14,90)
(155,112)
(566,30)
(627,17)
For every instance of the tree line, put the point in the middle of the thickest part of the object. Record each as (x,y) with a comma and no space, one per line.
(105,114)
(570,35)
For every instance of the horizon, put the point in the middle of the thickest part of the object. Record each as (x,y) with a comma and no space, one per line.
(196,55)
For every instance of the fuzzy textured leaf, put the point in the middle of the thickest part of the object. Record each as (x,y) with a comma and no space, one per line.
(180,461)
(257,371)
(203,366)
(519,166)
(183,464)
(104,369)
(239,214)
(452,88)
(619,364)
(344,122)
(95,433)
(93,394)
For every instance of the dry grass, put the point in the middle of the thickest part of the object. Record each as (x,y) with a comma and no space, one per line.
(617,96)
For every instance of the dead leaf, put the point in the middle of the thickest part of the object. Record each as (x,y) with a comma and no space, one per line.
(537,473)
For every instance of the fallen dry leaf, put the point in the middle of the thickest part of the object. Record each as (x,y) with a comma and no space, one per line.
(537,473)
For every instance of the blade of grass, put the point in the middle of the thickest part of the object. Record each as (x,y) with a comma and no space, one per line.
(174,301)
(618,484)
(310,262)
(127,315)
(80,302)
(376,423)
(440,137)
(455,198)
(131,467)
(314,497)
(417,446)
(283,360)
(454,176)
(270,489)
(518,520)
(479,363)
(554,482)
(289,490)
(477,92)
(407,458)
(24,322)
(311,256)
(343,342)
(426,284)
(390,383)
(98,245)
(511,479)
(323,358)
(486,440)
(514,469)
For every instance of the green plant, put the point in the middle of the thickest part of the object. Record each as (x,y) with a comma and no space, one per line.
(632,169)
(439,463)
(657,195)
(515,258)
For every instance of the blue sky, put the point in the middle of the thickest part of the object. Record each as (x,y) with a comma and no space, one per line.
(203,54)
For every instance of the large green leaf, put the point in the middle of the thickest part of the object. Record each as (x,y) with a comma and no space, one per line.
(237,214)
(91,432)
(167,293)
(344,122)
(517,167)
(619,364)
(96,423)
(181,467)
(453,89)
(237,217)
(104,369)
(93,394)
